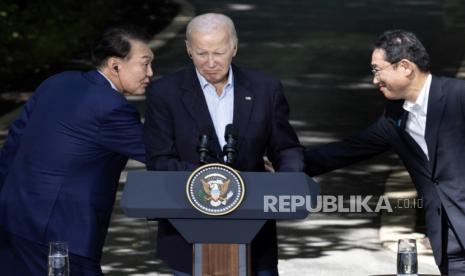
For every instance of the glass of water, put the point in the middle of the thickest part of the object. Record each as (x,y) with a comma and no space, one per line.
(407,264)
(58,260)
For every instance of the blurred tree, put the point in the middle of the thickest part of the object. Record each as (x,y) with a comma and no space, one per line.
(37,35)
(39,38)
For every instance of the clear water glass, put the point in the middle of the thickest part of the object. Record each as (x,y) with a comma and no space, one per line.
(58,259)
(407,263)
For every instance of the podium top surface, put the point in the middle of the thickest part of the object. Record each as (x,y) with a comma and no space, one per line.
(162,194)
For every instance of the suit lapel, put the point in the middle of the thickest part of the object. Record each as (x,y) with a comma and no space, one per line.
(244,100)
(415,148)
(398,117)
(436,103)
(196,105)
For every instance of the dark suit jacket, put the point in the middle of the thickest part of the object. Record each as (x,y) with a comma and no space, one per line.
(177,113)
(440,181)
(62,160)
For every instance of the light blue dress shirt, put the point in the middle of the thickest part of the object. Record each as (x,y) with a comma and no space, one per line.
(221,107)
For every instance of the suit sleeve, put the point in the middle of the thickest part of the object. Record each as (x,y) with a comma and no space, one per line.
(13,139)
(462,97)
(285,151)
(368,143)
(121,131)
(159,136)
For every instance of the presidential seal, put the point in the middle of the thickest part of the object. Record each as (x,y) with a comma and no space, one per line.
(215,189)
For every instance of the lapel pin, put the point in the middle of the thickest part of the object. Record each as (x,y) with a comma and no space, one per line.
(248,98)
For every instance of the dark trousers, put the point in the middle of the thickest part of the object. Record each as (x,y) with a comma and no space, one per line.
(20,257)
(453,262)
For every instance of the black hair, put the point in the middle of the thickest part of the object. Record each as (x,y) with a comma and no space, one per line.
(115,42)
(400,44)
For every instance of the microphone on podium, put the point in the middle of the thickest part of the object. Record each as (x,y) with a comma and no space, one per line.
(202,148)
(230,149)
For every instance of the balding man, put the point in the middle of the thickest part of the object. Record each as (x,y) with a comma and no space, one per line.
(211,94)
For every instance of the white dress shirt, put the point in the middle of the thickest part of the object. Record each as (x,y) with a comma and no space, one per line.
(416,122)
(221,107)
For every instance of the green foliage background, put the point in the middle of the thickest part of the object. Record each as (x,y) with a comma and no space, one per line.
(39,38)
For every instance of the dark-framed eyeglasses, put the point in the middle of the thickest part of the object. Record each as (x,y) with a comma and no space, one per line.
(376,71)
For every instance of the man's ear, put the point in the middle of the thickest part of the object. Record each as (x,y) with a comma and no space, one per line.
(235,48)
(407,66)
(188,49)
(113,65)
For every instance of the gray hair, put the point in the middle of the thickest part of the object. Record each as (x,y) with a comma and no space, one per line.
(209,22)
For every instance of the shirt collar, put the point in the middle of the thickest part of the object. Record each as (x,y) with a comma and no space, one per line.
(111,83)
(204,83)
(421,104)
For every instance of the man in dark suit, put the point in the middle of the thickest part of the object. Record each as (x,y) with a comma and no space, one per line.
(64,154)
(424,122)
(203,99)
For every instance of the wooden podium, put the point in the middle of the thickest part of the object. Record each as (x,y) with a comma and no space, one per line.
(220,242)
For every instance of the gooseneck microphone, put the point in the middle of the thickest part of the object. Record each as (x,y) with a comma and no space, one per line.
(202,148)
(230,149)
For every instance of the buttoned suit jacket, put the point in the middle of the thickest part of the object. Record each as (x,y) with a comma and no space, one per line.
(176,116)
(440,181)
(62,160)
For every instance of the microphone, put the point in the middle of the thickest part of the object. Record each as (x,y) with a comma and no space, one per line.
(202,148)
(230,149)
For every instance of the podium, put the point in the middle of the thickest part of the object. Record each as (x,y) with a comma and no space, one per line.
(220,242)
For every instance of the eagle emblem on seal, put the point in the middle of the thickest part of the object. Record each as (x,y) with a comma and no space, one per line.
(217,192)
(215,189)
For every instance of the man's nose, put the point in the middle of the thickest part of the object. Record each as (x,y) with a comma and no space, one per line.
(211,61)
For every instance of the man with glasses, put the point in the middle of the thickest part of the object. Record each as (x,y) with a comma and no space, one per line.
(424,122)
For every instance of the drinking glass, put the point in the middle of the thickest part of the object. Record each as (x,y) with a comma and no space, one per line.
(407,264)
(58,260)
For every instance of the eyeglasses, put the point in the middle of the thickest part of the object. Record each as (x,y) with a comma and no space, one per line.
(376,71)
